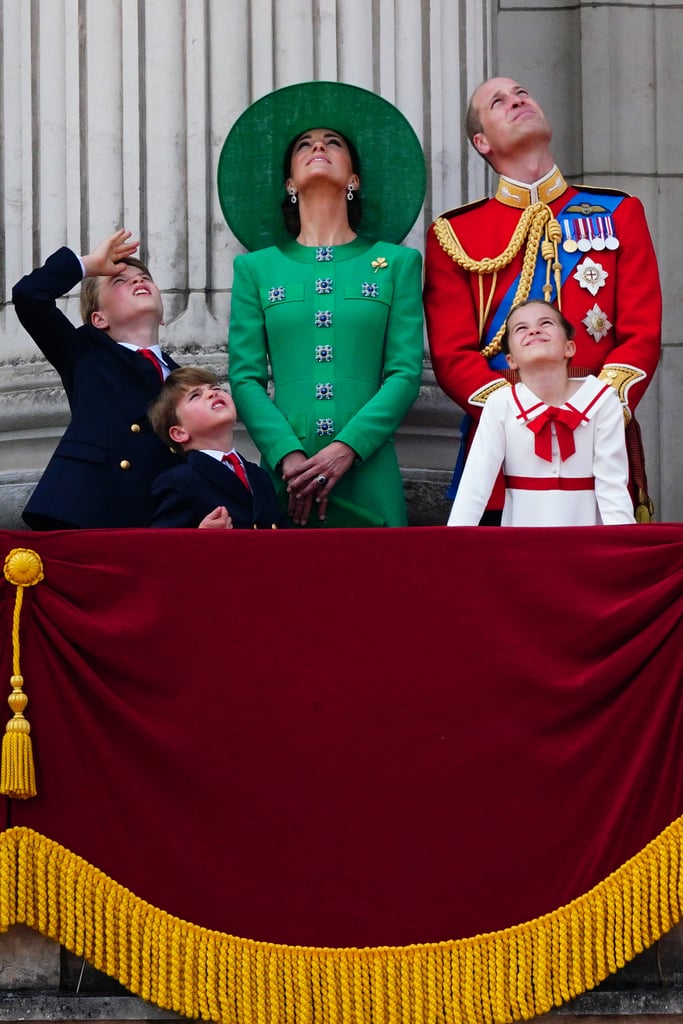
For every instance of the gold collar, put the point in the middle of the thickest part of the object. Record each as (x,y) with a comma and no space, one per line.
(515,193)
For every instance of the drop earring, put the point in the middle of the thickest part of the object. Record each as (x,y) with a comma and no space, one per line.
(292,194)
(349,194)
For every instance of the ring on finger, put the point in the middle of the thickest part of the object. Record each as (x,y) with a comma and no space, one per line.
(321,480)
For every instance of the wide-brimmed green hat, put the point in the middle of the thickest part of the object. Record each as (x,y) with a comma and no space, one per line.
(392,166)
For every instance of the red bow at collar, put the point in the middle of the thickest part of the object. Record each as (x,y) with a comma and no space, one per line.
(566,420)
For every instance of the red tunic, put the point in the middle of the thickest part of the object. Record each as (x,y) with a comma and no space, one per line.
(629,298)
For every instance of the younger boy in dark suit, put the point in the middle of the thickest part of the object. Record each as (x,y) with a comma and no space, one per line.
(103,467)
(214,487)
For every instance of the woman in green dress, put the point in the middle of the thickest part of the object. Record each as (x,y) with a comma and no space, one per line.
(335,313)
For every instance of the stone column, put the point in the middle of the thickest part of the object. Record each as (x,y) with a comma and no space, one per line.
(115,113)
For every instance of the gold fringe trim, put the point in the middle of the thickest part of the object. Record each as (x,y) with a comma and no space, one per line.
(500,977)
(23,568)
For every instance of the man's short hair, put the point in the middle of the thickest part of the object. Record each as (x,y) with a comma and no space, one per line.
(162,413)
(90,289)
(473,123)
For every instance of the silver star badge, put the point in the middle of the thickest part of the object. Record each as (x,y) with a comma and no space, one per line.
(591,275)
(596,323)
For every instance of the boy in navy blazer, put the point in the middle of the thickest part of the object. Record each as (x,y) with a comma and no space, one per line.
(213,487)
(102,470)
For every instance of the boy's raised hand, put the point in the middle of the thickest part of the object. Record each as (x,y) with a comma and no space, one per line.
(105,259)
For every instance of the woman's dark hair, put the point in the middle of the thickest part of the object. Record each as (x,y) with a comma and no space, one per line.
(568,328)
(290,210)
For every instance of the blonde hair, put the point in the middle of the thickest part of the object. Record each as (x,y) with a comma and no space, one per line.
(90,289)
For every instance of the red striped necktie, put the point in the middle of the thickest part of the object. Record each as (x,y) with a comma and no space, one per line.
(236,464)
(154,360)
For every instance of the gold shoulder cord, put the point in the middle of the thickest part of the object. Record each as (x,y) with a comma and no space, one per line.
(536,221)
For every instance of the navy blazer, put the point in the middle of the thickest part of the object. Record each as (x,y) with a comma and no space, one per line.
(103,467)
(185,494)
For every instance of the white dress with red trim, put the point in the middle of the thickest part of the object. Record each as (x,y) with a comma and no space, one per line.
(563,466)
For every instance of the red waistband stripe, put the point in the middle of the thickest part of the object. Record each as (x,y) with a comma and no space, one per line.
(557,483)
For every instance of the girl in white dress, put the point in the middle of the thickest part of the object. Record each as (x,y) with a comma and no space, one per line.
(559,441)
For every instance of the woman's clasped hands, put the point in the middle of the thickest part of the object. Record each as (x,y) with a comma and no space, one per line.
(310,481)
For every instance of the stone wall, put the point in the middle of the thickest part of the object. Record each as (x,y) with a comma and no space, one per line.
(115,114)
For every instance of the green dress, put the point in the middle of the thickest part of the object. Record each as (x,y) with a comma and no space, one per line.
(342,329)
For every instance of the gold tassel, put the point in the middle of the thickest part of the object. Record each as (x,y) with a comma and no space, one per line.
(17,774)
(645,509)
(23,568)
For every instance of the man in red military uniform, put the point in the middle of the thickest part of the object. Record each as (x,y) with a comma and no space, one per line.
(586,250)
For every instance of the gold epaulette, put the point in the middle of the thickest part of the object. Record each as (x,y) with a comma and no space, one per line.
(463,209)
(479,397)
(621,377)
(600,190)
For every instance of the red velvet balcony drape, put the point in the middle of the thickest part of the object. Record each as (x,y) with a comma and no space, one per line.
(353,738)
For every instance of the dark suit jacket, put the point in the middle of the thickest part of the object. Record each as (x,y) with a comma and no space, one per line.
(103,468)
(186,493)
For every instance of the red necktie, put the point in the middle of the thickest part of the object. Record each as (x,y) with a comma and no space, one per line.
(566,421)
(154,360)
(238,467)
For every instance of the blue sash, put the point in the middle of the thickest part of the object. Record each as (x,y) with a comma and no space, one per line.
(498,361)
